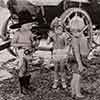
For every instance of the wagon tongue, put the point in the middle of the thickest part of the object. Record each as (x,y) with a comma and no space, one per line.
(5,45)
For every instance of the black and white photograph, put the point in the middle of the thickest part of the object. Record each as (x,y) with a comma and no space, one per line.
(49,49)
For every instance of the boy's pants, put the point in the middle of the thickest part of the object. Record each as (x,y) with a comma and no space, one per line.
(23,78)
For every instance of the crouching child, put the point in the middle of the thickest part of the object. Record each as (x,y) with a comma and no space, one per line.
(23,40)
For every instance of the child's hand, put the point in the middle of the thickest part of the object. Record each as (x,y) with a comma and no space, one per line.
(81,68)
(48,41)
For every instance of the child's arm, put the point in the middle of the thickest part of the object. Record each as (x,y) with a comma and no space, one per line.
(35,41)
(50,37)
(48,40)
(67,42)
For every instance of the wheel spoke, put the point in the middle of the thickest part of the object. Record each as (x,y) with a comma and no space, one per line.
(84,28)
(8,34)
(76,14)
(83,17)
(68,19)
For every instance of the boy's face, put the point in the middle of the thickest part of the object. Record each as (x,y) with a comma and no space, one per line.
(27,26)
(59,30)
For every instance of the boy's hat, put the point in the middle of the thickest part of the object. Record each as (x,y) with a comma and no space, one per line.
(56,23)
(24,18)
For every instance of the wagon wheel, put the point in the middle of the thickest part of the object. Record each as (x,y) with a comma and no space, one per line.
(8,34)
(70,13)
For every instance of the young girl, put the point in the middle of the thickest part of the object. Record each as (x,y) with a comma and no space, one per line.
(59,39)
(76,26)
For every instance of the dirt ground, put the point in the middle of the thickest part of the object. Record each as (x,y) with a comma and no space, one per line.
(41,85)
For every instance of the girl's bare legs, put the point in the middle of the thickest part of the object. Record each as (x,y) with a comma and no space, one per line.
(76,46)
(73,82)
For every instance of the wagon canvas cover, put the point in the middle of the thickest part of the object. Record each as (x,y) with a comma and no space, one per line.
(39,2)
(45,2)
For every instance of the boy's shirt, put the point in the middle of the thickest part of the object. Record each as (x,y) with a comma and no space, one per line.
(23,38)
(60,41)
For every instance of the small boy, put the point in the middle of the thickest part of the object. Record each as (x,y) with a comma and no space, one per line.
(23,40)
(59,39)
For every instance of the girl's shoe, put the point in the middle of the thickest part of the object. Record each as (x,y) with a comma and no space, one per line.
(55,84)
(80,96)
(21,94)
(64,84)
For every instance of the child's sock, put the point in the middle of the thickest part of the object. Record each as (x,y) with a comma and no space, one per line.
(77,85)
(55,84)
(63,82)
(73,82)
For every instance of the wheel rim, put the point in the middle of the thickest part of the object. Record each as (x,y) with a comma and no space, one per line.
(9,33)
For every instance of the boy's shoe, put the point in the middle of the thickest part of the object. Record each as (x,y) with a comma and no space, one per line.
(55,84)
(23,91)
(64,84)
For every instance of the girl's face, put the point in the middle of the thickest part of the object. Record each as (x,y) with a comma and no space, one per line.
(59,30)
(27,26)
